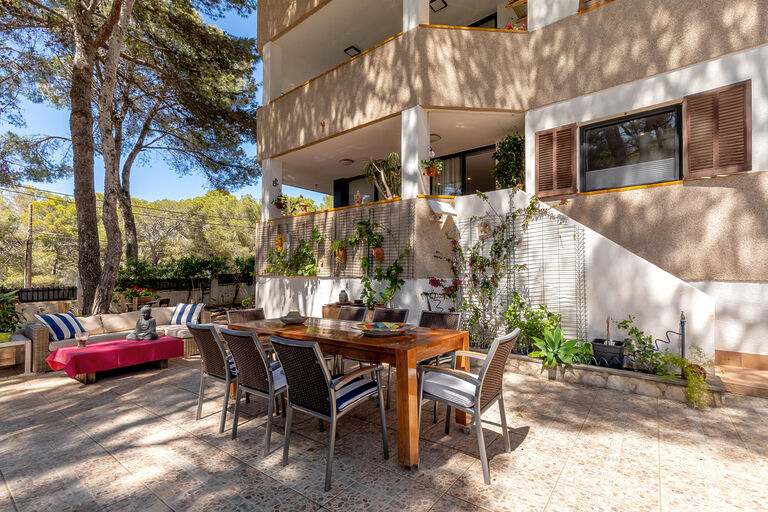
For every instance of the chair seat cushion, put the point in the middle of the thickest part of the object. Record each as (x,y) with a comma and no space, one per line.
(449,388)
(231,363)
(278,378)
(354,392)
(177,331)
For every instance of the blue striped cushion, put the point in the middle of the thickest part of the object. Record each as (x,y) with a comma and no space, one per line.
(354,392)
(231,364)
(186,313)
(63,326)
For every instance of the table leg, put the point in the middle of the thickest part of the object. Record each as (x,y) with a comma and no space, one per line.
(407,410)
(86,378)
(462,363)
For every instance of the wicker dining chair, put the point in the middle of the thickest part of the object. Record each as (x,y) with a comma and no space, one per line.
(216,365)
(235,316)
(389,315)
(353,313)
(312,390)
(256,375)
(439,320)
(473,394)
(165,301)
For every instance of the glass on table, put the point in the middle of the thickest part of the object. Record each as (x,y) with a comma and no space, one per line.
(82,339)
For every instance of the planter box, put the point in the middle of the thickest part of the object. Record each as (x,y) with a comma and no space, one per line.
(619,380)
(611,356)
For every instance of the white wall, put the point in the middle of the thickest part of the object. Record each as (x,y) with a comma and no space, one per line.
(619,283)
(742,315)
(545,12)
(658,90)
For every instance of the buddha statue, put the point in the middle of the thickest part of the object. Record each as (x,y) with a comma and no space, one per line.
(145,326)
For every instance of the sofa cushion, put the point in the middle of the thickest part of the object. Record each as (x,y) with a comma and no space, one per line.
(91,324)
(186,313)
(110,336)
(177,331)
(162,315)
(120,322)
(62,326)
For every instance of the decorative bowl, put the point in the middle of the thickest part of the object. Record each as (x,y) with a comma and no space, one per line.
(384,329)
(293,320)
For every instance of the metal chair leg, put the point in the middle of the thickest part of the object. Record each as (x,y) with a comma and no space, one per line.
(287,440)
(420,395)
(237,412)
(320,425)
(224,409)
(383,419)
(389,382)
(268,435)
(331,446)
(247,397)
(447,418)
(505,430)
(481,449)
(200,396)
(434,414)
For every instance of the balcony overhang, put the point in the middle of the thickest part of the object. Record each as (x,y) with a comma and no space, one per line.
(316,165)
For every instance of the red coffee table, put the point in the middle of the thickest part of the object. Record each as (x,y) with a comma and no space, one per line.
(83,363)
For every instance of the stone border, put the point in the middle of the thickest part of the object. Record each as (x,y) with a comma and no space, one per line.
(619,380)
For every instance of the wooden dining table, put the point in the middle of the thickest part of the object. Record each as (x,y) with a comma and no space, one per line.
(340,337)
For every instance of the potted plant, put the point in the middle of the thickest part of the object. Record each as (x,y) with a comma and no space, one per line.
(432,167)
(339,248)
(608,352)
(366,230)
(143,295)
(10,319)
(555,351)
(694,370)
(279,201)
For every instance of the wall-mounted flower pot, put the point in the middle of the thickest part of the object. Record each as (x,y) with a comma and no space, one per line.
(695,370)
(378,253)
(341,255)
(609,355)
(279,206)
(431,170)
(5,336)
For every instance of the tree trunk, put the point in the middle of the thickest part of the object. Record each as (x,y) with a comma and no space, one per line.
(81,128)
(111,155)
(129,224)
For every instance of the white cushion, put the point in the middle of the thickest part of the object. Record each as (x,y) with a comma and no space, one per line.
(109,336)
(278,378)
(177,331)
(91,324)
(162,315)
(120,322)
(450,388)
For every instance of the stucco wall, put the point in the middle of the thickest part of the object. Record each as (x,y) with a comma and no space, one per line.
(276,16)
(620,42)
(702,230)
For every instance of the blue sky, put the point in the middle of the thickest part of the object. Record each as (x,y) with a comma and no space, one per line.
(151,179)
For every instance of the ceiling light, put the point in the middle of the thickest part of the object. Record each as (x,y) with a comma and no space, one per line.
(437,5)
(469,178)
(352,51)
(346,161)
(433,137)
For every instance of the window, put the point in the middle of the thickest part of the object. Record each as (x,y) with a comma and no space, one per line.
(465,173)
(586,5)
(345,190)
(556,161)
(487,22)
(634,150)
(718,131)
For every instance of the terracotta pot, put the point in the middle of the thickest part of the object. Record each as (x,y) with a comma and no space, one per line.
(302,207)
(144,300)
(279,206)
(431,170)
(378,253)
(341,255)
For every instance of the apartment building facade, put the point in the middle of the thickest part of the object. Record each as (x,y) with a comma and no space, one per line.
(650,117)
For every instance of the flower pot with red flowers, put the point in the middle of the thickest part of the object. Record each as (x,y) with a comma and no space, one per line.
(279,201)
(432,168)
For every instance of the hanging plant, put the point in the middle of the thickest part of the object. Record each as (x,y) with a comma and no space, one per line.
(279,201)
(366,230)
(432,168)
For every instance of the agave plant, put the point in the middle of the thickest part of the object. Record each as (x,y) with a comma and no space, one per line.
(554,350)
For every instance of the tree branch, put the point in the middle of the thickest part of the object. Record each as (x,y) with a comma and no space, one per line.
(106,29)
(49,10)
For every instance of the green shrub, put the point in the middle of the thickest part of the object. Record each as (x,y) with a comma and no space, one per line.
(533,322)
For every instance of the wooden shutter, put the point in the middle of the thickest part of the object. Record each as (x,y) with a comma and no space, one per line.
(717,131)
(556,161)
(585,5)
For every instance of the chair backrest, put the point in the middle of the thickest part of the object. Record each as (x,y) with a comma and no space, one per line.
(164,302)
(389,315)
(354,313)
(211,350)
(250,359)
(491,375)
(245,315)
(308,378)
(440,320)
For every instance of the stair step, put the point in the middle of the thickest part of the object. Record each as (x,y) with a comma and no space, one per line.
(744,381)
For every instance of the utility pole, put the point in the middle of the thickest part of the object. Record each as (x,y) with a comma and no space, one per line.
(28,262)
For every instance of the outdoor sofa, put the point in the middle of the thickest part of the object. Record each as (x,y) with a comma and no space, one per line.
(109,327)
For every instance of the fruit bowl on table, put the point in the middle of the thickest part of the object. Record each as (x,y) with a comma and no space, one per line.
(293,320)
(384,329)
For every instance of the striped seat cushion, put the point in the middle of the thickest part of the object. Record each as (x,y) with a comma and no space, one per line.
(62,326)
(186,313)
(449,388)
(231,364)
(354,392)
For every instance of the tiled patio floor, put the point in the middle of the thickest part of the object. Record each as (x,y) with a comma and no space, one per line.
(130,442)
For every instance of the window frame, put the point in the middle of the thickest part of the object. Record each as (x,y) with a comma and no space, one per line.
(463,156)
(677,108)
(481,21)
